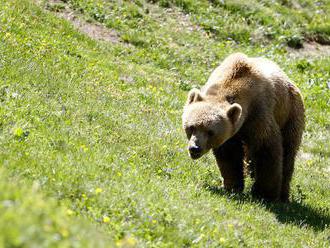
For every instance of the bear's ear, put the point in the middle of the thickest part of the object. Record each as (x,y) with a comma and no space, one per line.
(194,95)
(234,113)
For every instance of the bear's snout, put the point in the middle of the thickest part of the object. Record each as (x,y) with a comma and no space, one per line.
(195,151)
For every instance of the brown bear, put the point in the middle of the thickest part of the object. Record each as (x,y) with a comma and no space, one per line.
(248,110)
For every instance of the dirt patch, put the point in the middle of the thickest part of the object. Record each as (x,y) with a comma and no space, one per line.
(93,30)
(310,50)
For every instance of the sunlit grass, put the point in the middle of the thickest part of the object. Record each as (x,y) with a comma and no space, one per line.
(97,127)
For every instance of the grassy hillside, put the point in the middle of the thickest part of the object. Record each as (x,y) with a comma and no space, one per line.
(91,148)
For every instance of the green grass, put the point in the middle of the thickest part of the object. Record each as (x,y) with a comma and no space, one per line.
(91,147)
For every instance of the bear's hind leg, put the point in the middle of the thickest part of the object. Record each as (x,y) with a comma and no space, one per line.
(229,158)
(288,167)
(268,162)
(291,134)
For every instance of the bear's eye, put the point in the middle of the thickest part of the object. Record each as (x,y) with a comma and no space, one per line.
(189,131)
(210,133)
(230,99)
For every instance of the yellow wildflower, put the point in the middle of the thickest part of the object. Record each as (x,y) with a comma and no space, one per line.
(106,219)
(64,232)
(98,191)
(69,212)
(127,242)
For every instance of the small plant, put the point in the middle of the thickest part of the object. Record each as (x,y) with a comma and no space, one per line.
(20,134)
(303,65)
(295,41)
(300,196)
(55,7)
(183,85)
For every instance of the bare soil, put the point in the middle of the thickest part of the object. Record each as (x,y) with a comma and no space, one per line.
(310,50)
(93,30)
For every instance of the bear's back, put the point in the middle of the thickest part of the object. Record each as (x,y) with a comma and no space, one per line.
(257,84)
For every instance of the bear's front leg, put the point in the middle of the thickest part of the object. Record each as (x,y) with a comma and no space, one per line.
(229,158)
(269,164)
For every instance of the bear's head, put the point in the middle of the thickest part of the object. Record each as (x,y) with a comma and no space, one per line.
(208,123)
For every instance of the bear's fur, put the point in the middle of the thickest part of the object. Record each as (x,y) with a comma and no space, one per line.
(248,109)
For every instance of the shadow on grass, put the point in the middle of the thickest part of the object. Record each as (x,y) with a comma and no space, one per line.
(294,212)
(301,214)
